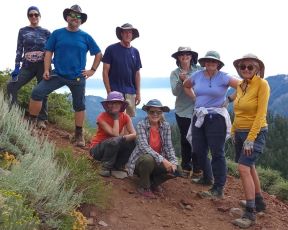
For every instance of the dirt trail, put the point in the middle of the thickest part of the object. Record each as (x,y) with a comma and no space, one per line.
(179,207)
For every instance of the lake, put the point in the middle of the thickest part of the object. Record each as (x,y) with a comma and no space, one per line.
(163,94)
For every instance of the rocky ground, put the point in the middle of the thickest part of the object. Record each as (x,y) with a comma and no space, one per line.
(179,207)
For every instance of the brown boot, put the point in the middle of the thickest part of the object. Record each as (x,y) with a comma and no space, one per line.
(79,137)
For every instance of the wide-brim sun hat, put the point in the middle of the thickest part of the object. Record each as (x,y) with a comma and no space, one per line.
(252,57)
(155,103)
(214,55)
(112,97)
(127,26)
(185,49)
(76,9)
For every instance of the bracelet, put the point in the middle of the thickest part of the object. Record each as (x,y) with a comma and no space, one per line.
(93,69)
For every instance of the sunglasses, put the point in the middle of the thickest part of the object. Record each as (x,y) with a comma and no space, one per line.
(35,15)
(75,16)
(249,67)
(184,53)
(155,112)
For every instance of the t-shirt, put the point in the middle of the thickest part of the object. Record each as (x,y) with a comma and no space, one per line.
(155,139)
(101,135)
(70,50)
(210,92)
(124,63)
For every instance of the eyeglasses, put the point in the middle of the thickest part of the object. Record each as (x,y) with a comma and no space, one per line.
(184,53)
(35,15)
(75,16)
(150,112)
(249,67)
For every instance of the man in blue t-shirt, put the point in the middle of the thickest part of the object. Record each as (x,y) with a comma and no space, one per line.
(121,67)
(69,46)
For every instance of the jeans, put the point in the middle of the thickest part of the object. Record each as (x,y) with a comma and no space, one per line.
(211,136)
(186,152)
(258,147)
(76,86)
(111,154)
(27,73)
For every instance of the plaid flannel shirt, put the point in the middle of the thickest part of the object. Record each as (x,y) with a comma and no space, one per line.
(143,147)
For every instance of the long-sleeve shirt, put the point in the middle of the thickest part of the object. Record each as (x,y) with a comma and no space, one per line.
(183,105)
(250,107)
(30,39)
(143,147)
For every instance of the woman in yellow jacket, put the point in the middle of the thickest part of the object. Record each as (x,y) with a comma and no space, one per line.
(249,131)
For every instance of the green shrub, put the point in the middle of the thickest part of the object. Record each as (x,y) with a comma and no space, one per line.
(268,178)
(280,189)
(232,168)
(84,175)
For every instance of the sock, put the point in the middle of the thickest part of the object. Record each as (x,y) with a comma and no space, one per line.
(250,204)
(258,196)
(78,128)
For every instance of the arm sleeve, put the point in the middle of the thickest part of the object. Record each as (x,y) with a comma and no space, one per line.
(260,119)
(176,83)
(19,50)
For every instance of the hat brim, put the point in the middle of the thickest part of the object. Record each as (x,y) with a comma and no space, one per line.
(194,56)
(123,107)
(261,64)
(135,32)
(165,109)
(67,11)
(204,59)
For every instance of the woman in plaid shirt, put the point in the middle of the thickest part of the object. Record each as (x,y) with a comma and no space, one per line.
(153,158)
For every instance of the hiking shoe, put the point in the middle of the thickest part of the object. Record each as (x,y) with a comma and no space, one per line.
(202,181)
(41,124)
(215,193)
(105,173)
(146,192)
(247,220)
(79,138)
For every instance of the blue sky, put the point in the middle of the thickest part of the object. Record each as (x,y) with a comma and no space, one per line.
(232,27)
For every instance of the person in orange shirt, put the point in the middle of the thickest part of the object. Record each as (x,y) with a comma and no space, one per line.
(110,145)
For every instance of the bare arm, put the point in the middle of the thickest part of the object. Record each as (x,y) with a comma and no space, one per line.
(131,131)
(187,86)
(47,64)
(106,68)
(137,82)
(96,62)
(112,131)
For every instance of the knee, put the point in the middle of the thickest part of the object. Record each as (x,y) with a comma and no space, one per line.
(243,170)
(37,94)
(79,105)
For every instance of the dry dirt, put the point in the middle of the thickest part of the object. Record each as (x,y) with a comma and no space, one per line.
(178,208)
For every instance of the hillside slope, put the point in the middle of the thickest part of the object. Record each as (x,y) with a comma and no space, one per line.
(179,208)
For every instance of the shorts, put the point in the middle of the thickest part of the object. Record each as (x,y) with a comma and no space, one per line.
(258,147)
(131,108)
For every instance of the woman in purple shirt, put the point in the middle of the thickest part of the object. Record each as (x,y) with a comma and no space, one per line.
(211,121)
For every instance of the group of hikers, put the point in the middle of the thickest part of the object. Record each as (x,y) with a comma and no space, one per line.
(200,108)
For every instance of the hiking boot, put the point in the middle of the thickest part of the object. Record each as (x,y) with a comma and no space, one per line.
(247,220)
(197,174)
(79,138)
(214,193)
(157,189)
(202,181)
(259,203)
(186,173)
(146,192)
(41,124)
